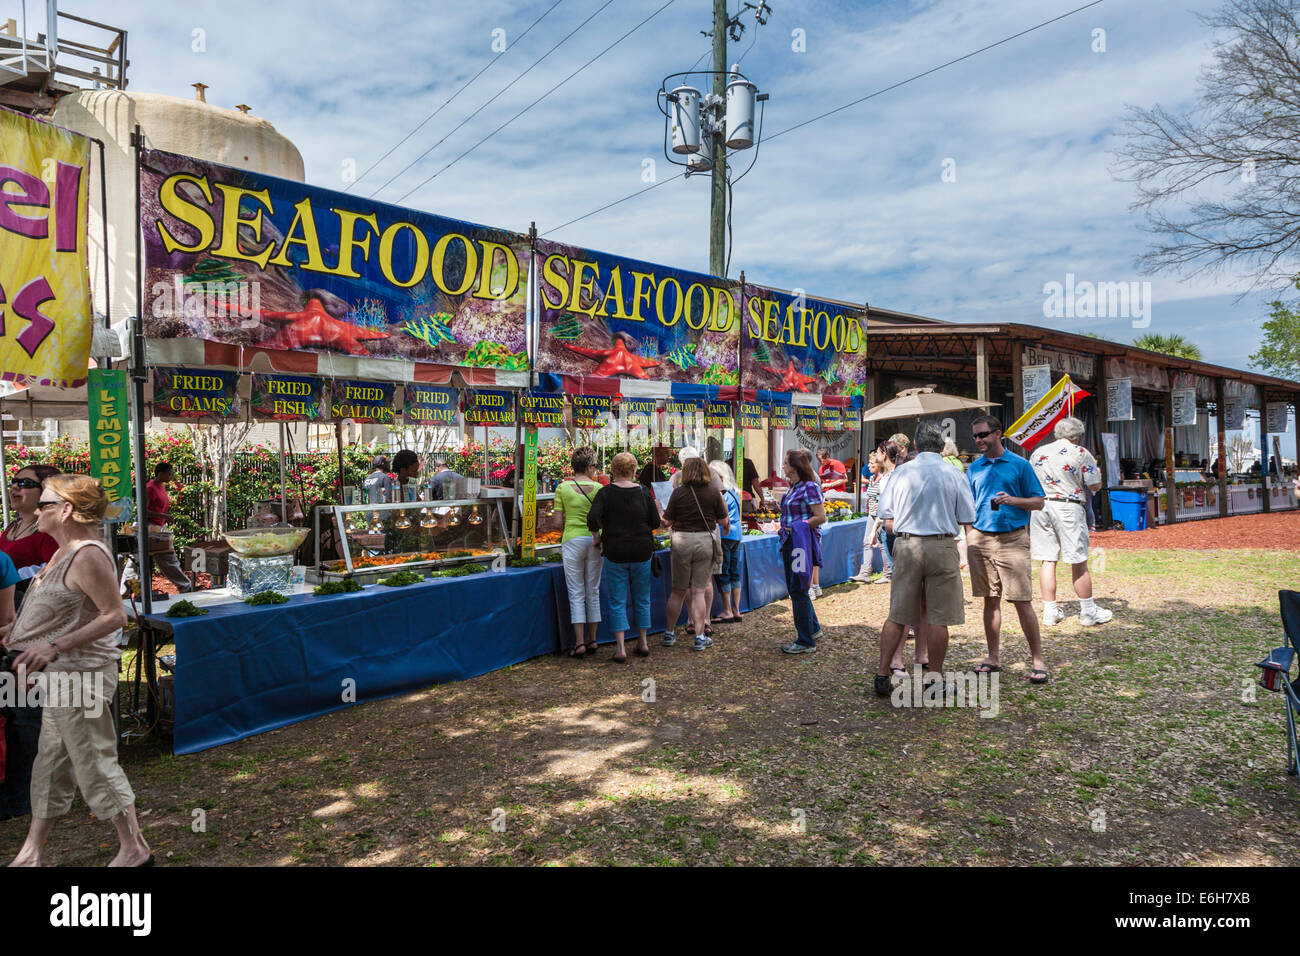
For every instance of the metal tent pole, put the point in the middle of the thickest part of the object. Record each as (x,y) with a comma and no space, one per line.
(138,371)
(284,502)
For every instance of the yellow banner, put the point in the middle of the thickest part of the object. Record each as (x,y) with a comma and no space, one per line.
(45,313)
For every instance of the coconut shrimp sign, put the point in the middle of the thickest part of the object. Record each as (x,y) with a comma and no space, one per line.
(245,259)
(611,317)
(45,318)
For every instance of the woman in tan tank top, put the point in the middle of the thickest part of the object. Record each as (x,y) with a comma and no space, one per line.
(67,628)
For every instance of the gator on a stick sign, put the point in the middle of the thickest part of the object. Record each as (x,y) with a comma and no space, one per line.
(236,257)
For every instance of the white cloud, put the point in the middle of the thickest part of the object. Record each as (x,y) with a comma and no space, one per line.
(850,207)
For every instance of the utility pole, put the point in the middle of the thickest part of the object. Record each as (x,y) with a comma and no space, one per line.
(718,206)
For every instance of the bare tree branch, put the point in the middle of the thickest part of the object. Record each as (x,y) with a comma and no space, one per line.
(1220,186)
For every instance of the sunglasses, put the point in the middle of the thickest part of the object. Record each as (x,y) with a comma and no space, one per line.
(983,434)
(42,505)
(24,483)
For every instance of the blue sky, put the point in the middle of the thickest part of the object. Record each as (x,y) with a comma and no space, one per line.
(852,207)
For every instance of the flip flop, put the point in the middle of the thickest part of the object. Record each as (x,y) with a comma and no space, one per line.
(987,668)
(641,652)
(619,660)
(1038,680)
(898,672)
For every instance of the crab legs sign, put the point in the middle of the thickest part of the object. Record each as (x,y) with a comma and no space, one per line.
(245,259)
(45,314)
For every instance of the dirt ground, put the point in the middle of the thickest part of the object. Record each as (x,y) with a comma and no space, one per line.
(1280,531)
(1148,747)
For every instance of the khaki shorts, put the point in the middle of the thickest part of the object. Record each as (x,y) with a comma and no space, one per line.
(1059,532)
(999,564)
(79,752)
(929,568)
(692,559)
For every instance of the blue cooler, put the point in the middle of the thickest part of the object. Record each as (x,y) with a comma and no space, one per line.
(1128,506)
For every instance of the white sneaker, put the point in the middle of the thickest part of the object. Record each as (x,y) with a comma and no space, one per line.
(1100,616)
(1053,617)
(862,577)
(815,592)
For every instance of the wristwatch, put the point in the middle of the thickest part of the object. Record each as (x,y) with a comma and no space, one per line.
(56,649)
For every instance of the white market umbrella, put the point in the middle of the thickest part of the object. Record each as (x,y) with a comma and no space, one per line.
(919,403)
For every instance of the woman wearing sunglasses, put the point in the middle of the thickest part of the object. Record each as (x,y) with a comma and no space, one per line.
(27,546)
(28,549)
(68,626)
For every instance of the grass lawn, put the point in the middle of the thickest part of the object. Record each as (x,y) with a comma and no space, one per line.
(1140,751)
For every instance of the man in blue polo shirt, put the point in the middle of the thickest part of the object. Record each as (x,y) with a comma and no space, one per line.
(1005,489)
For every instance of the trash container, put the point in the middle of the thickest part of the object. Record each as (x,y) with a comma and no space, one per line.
(1129,507)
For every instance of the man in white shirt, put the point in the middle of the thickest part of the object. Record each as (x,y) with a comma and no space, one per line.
(1059,532)
(924,505)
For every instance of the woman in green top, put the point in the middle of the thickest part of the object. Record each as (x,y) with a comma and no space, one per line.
(582,562)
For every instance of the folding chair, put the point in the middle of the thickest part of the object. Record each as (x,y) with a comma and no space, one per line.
(1276,670)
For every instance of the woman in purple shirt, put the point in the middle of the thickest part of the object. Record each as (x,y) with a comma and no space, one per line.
(802,504)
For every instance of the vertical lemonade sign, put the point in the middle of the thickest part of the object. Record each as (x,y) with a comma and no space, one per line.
(110,449)
(45,313)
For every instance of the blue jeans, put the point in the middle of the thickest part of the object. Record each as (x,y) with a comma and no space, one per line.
(729,579)
(806,624)
(624,577)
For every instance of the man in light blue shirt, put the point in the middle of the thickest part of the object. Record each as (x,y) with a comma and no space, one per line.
(1005,489)
(923,506)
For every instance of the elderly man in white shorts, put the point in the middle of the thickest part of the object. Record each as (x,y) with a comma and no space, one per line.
(1059,532)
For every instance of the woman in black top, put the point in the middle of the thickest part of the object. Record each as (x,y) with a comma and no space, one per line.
(621,520)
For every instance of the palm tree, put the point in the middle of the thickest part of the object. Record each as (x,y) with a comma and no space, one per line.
(1169,345)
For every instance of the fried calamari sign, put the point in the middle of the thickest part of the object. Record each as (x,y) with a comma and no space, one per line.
(610,317)
(245,259)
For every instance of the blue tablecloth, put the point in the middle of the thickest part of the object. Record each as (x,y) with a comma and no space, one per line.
(244,670)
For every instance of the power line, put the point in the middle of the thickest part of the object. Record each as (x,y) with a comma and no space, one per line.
(486,67)
(941,66)
(489,102)
(863,99)
(539,99)
(614,203)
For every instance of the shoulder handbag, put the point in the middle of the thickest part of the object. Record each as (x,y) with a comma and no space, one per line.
(717,542)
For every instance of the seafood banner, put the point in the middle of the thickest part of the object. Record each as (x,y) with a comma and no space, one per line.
(241,258)
(591,411)
(195,394)
(489,407)
(362,401)
(830,420)
(638,412)
(718,415)
(45,313)
(782,415)
(751,415)
(429,405)
(541,409)
(289,398)
(611,317)
(791,343)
